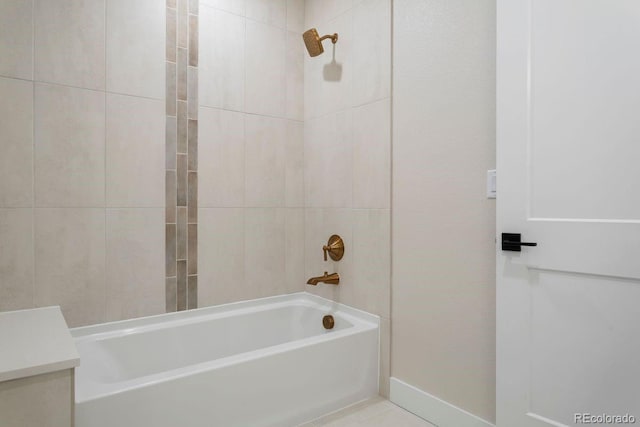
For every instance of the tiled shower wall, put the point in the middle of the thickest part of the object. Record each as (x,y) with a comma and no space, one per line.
(292,150)
(347,156)
(251,181)
(182,156)
(85,128)
(82,157)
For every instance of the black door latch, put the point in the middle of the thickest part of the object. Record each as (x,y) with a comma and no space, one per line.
(512,242)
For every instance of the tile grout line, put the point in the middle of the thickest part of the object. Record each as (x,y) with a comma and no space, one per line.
(33,154)
(169,12)
(104,141)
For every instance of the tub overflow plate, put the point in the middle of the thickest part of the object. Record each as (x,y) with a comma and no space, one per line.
(328,322)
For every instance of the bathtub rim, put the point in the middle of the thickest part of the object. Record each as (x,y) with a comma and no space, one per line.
(141,323)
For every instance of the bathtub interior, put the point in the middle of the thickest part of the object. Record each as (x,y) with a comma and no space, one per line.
(148,351)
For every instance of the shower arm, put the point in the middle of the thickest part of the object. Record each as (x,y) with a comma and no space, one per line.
(333,37)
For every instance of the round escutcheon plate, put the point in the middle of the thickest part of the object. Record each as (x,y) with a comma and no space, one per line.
(328,322)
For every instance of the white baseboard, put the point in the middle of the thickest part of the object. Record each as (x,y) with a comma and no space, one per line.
(432,409)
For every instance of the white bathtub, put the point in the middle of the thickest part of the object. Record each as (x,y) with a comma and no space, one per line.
(266,362)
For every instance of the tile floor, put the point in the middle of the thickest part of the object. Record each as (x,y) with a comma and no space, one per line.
(376,412)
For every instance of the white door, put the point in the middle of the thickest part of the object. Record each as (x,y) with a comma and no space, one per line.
(568,321)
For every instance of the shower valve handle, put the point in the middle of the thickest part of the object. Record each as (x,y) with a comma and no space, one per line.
(325,249)
(334,248)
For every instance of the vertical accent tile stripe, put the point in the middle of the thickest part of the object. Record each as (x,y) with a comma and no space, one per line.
(182,155)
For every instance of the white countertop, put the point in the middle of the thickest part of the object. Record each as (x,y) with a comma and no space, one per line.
(34,342)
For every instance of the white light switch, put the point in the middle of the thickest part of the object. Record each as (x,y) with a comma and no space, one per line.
(491,184)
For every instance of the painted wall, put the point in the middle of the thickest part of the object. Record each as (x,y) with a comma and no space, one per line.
(82,197)
(347,155)
(250,150)
(443,309)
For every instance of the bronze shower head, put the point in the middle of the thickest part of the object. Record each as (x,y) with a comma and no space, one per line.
(313,41)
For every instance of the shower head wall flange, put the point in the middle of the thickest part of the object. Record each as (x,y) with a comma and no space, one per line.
(313,41)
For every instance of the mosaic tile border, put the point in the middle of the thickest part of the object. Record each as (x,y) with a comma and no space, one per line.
(181,222)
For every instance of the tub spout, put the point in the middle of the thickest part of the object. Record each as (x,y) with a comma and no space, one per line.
(331,279)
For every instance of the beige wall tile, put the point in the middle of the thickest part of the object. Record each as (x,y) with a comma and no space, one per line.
(322,11)
(16,143)
(221,151)
(265,82)
(294,165)
(38,401)
(328,151)
(264,266)
(371,51)
(294,103)
(372,155)
(16,39)
(135,152)
(272,12)
(234,6)
(294,250)
(371,248)
(221,60)
(70,42)
(295,16)
(70,152)
(136,47)
(135,263)
(221,251)
(265,161)
(16,259)
(70,263)
(69,147)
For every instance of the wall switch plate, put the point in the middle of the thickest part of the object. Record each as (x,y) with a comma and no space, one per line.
(491,184)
